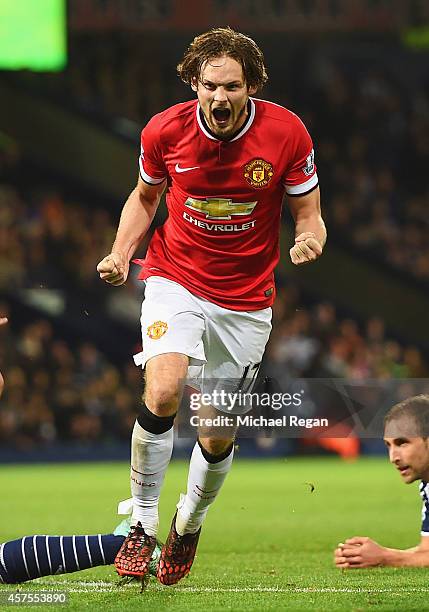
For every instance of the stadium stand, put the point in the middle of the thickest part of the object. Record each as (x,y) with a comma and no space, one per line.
(62,391)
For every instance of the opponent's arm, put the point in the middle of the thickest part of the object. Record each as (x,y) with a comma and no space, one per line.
(136,217)
(310,230)
(359,552)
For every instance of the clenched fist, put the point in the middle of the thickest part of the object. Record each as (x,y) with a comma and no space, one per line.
(306,249)
(114,269)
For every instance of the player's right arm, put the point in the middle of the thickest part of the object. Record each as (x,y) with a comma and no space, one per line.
(412,557)
(136,217)
(360,553)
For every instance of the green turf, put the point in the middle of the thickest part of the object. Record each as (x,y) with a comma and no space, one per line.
(267,543)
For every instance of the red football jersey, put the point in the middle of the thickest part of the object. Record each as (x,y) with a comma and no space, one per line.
(224,198)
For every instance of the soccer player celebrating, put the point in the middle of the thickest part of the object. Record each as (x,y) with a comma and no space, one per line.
(406,434)
(226,160)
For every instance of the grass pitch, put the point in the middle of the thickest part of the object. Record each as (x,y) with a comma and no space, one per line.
(267,543)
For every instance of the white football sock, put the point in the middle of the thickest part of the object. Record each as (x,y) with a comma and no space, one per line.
(150,456)
(204,482)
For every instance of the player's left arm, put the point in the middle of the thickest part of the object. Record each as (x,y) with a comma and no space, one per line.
(362,552)
(310,230)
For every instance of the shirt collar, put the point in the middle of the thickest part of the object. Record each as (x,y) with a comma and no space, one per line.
(251,110)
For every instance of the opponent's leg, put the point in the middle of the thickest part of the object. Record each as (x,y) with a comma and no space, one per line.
(210,463)
(151,448)
(41,555)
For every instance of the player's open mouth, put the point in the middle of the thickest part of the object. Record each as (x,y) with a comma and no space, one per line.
(221,115)
(403,469)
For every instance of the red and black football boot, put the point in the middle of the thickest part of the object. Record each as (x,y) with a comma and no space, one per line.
(134,556)
(177,555)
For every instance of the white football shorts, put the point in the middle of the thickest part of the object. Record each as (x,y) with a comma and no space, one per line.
(225,347)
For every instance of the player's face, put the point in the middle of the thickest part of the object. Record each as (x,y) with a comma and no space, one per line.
(410,455)
(223,94)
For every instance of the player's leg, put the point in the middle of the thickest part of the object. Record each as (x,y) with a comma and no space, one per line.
(41,555)
(152,438)
(172,328)
(35,556)
(210,463)
(151,448)
(234,344)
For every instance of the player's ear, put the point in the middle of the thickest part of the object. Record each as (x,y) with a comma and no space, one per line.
(194,84)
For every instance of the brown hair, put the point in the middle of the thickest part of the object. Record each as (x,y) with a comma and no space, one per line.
(417,408)
(224,41)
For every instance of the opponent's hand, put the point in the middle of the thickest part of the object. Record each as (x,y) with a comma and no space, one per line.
(358,553)
(306,249)
(113,269)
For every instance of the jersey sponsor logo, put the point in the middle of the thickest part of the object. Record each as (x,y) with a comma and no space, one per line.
(179,169)
(219,227)
(258,173)
(157,330)
(309,164)
(220,208)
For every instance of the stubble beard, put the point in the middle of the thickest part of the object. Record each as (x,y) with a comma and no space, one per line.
(229,130)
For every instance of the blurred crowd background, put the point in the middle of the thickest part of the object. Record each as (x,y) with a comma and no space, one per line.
(67,351)
(59,390)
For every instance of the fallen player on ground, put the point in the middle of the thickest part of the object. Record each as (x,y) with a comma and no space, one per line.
(406,435)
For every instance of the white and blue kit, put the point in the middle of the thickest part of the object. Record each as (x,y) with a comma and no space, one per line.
(424,493)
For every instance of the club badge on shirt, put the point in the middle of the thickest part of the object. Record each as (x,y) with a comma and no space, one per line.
(157,330)
(258,173)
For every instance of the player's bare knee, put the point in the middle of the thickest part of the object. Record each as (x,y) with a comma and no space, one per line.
(162,400)
(215,446)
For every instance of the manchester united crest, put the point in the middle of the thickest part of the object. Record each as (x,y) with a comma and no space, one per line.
(157,330)
(258,173)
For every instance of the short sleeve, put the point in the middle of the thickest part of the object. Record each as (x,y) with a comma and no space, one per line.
(151,165)
(300,177)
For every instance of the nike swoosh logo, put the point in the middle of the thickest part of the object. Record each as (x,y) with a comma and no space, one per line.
(179,169)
